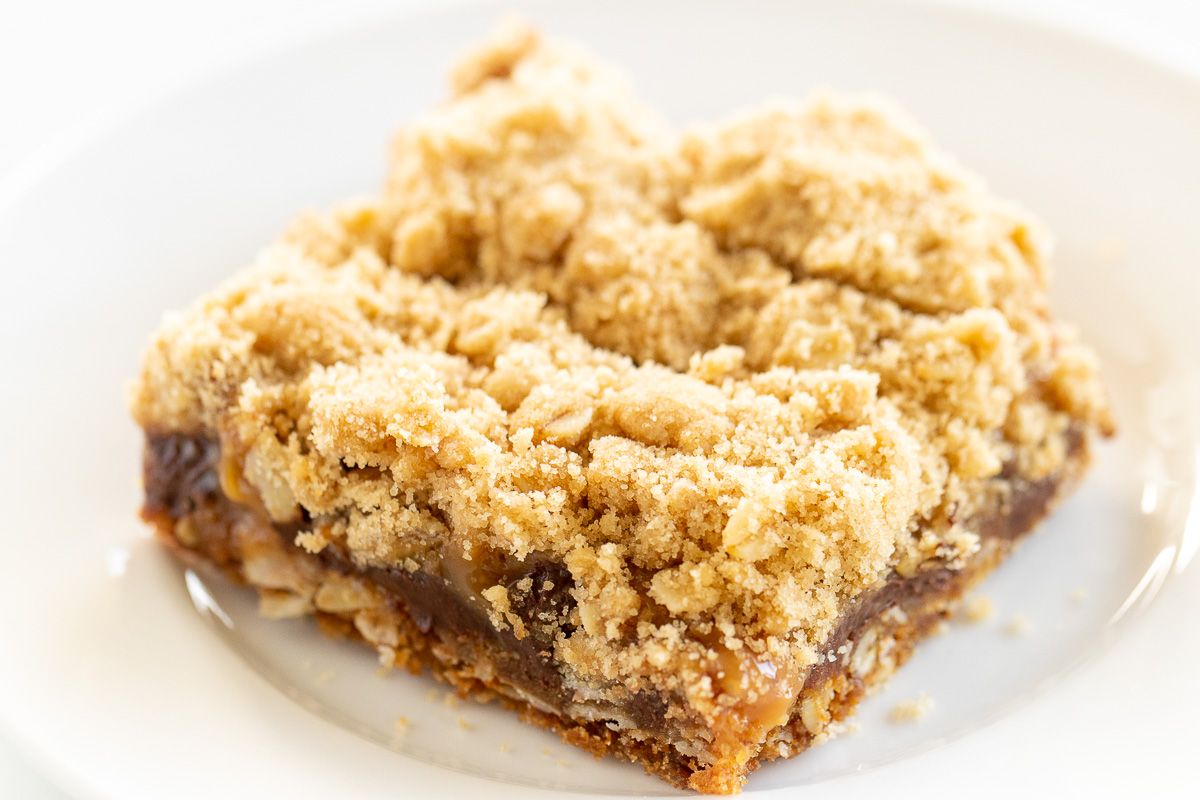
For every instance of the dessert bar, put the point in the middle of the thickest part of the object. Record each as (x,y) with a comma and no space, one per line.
(674,441)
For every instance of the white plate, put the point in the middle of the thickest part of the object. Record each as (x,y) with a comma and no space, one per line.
(122,690)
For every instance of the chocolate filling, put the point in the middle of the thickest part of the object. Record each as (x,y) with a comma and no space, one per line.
(179,473)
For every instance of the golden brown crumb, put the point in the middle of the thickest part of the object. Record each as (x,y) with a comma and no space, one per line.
(401,726)
(912,710)
(726,374)
(387,660)
(282,604)
(842,727)
(464,724)
(978,608)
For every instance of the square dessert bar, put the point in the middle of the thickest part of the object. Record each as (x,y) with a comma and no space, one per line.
(674,442)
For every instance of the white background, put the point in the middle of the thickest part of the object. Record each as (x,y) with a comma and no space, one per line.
(69,66)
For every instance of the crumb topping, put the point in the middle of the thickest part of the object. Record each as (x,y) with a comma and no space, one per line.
(731,378)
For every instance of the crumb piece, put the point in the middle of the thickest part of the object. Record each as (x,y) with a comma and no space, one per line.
(1018,626)
(464,724)
(978,608)
(400,726)
(282,604)
(561,763)
(387,660)
(911,710)
(312,541)
(501,613)
(547,752)
(451,700)
(505,747)
(843,727)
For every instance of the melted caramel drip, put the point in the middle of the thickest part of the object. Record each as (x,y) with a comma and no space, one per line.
(755,696)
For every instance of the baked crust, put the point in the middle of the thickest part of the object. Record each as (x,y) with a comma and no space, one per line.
(719,387)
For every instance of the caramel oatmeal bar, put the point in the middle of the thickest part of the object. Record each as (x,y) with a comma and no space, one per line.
(674,442)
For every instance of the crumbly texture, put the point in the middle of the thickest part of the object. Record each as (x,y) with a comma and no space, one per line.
(979,608)
(911,710)
(732,378)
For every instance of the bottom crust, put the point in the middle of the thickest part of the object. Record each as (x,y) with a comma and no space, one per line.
(418,621)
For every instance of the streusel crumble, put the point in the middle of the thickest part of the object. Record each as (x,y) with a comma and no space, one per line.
(677,442)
